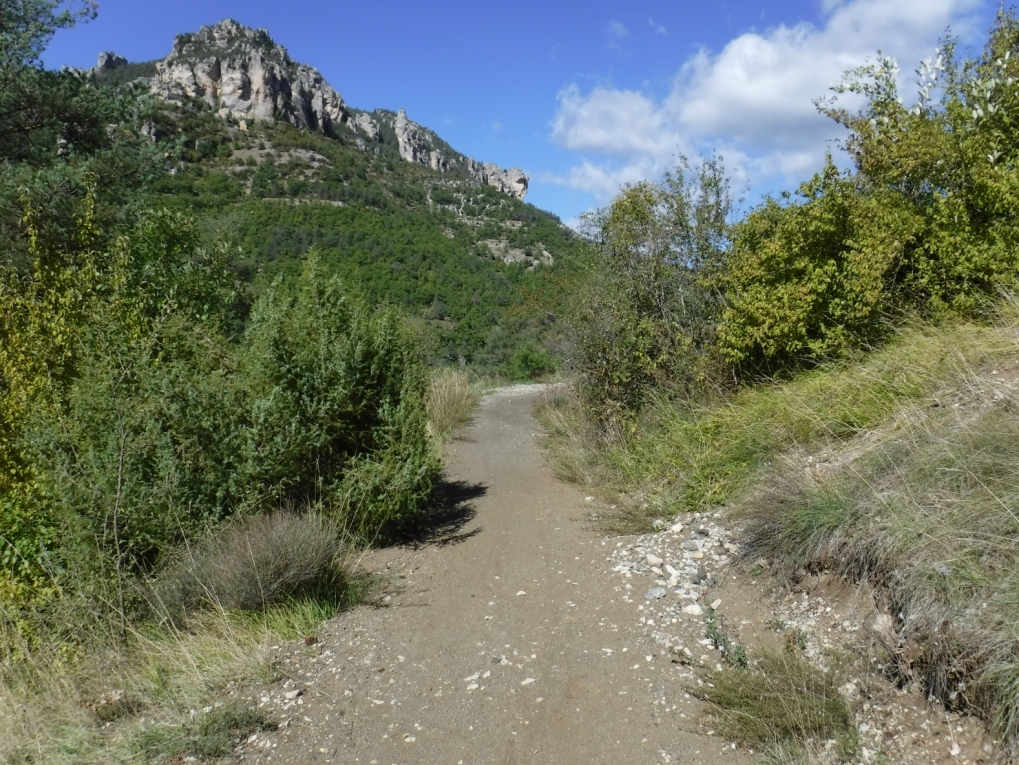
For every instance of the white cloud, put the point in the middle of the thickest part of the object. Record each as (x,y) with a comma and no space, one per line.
(753,100)
(617,33)
(660,29)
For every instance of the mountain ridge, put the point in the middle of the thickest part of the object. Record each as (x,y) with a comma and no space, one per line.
(244,75)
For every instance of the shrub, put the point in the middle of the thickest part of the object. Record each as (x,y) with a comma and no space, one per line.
(251,564)
(336,412)
(643,321)
(809,280)
(132,421)
(529,363)
(925,224)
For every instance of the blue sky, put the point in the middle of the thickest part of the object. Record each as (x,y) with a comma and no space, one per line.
(584,96)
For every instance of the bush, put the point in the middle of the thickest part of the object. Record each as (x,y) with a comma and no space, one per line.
(529,363)
(925,225)
(810,280)
(132,421)
(337,406)
(252,564)
(643,323)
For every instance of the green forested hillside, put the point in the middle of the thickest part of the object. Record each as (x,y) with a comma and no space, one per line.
(400,233)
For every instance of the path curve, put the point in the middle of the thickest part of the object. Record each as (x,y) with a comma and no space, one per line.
(505,641)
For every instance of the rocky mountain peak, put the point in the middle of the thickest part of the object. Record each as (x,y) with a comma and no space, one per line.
(244,74)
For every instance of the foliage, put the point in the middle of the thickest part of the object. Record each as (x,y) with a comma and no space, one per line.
(529,363)
(132,421)
(337,405)
(808,280)
(644,322)
(925,224)
(33,102)
(275,192)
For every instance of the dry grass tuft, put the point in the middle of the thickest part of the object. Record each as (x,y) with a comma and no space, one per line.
(252,564)
(780,700)
(452,401)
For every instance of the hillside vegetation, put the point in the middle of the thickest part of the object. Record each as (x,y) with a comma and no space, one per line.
(836,367)
(215,385)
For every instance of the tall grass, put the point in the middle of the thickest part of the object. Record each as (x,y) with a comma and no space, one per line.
(73,691)
(928,510)
(451,403)
(899,468)
(695,457)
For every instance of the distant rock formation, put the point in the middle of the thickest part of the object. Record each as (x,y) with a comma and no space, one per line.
(420,145)
(512,181)
(242,73)
(108,61)
(368,125)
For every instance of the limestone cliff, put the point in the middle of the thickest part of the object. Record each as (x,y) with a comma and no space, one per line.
(242,73)
(420,145)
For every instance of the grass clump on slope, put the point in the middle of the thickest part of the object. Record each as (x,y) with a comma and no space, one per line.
(926,508)
(694,457)
(779,700)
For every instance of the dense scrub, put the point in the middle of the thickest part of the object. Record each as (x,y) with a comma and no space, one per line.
(132,421)
(687,299)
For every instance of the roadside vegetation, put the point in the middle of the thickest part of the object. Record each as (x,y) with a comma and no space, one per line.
(191,453)
(836,368)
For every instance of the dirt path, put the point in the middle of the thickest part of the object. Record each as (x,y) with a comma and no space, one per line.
(507,640)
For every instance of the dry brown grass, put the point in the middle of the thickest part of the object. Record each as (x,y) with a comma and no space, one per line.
(72,691)
(779,699)
(452,401)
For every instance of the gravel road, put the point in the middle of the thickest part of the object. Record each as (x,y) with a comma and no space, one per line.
(508,638)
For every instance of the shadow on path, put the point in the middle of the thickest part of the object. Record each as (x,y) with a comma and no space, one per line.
(450,509)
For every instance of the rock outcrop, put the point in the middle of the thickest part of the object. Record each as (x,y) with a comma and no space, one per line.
(108,61)
(416,145)
(241,72)
(369,126)
(420,145)
(512,181)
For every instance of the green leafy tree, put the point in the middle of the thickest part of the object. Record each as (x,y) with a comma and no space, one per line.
(645,321)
